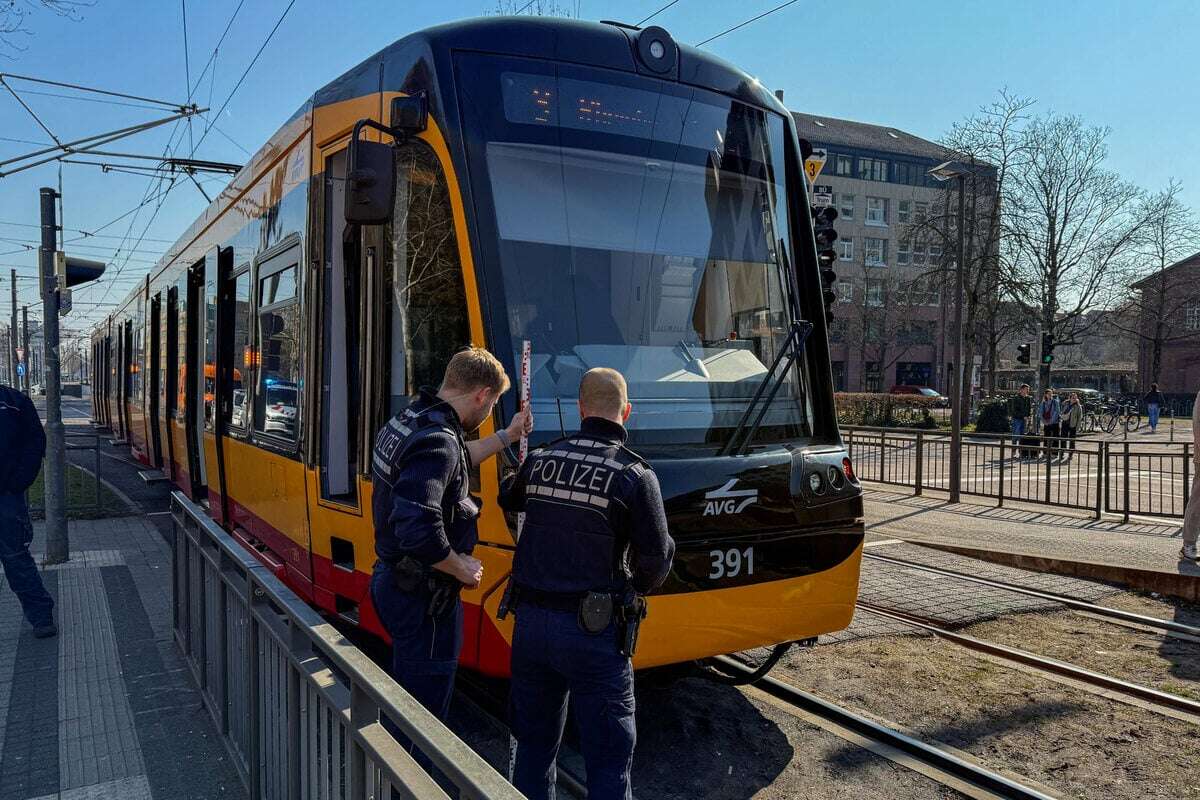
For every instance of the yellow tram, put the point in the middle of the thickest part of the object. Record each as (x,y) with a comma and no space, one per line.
(596,190)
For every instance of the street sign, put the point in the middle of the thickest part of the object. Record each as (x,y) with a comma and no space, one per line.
(822,196)
(64,302)
(20,354)
(815,163)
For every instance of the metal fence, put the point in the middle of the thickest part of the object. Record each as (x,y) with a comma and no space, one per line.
(1150,479)
(299,707)
(84,495)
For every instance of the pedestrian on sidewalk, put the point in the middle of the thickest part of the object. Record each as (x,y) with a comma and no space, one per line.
(1072,418)
(1191,518)
(1051,415)
(1154,403)
(1019,409)
(22,446)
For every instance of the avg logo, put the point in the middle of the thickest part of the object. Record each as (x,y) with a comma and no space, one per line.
(727,500)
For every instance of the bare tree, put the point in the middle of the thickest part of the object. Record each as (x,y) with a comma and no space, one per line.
(878,322)
(1069,224)
(1155,296)
(14,14)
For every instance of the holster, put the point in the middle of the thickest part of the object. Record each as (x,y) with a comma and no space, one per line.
(408,574)
(508,601)
(443,593)
(629,620)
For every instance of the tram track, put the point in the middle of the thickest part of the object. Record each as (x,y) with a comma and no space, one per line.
(1166,626)
(949,768)
(1094,682)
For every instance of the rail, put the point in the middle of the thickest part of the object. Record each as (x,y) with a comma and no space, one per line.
(1118,477)
(300,709)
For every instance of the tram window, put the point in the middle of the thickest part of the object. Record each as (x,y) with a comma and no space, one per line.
(236,413)
(429,308)
(277,399)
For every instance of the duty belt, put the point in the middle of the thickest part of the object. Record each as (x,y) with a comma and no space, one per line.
(551,601)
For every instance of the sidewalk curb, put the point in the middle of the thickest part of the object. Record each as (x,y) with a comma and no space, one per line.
(1183,586)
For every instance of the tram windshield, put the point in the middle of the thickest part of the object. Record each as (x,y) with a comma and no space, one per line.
(643,227)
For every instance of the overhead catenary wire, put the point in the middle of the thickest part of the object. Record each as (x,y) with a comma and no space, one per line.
(656,13)
(747,22)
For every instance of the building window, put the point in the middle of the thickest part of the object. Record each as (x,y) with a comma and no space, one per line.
(916,333)
(918,253)
(903,211)
(846,248)
(872,169)
(903,253)
(876,211)
(837,330)
(839,376)
(875,251)
(875,293)
(935,253)
(847,205)
(1191,319)
(845,292)
(843,166)
(920,211)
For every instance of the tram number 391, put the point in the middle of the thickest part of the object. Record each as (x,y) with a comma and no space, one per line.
(731,563)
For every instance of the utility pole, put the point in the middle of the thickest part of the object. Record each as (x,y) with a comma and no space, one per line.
(12,334)
(25,346)
(57,543)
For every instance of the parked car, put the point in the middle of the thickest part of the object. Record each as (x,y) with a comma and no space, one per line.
(939,400)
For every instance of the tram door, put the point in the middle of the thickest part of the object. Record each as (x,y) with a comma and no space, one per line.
(154,367)
(218,367)
(194,381)
(170,400)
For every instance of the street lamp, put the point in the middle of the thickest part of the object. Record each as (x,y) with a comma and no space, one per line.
(945,172)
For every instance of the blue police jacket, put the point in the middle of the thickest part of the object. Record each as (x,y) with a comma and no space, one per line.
(22,446)
(594,517)
(421,500)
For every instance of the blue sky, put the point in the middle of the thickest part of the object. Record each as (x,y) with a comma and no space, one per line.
(915,66)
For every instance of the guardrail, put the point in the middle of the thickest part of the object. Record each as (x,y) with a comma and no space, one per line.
(299,707)
(1149,479)
(83,489)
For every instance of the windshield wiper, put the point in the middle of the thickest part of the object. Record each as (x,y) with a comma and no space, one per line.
(793,346)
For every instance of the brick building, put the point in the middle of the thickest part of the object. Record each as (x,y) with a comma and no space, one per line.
(890,324)
(1168,305)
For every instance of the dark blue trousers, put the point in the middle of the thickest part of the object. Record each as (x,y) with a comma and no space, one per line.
(553,660)
(424,649)
(16,533)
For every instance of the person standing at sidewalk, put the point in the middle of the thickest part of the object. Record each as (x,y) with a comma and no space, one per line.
(22,446)
(1019,409)
(1072,418)
(1154,404)
(1050,414)
(1191,518)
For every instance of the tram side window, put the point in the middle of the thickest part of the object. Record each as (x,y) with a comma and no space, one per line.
(278,393)
(429,308)
(237,412)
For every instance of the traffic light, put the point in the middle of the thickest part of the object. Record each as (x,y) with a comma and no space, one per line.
(72,271)
(1023,353)
(825,236)
(1047,348)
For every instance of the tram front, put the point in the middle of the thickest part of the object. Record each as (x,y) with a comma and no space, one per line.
(644,224)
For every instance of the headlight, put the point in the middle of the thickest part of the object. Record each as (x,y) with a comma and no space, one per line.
(815,483)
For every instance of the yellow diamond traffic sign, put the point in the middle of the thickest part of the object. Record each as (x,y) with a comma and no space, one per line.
(815,163)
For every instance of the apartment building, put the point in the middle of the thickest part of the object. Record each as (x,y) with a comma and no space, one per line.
(889,326)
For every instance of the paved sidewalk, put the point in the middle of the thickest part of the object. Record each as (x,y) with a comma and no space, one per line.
(106,709)
(1141,555)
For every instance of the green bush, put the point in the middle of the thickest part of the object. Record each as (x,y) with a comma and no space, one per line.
(993,418)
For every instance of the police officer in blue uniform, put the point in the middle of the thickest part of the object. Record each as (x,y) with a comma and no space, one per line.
(425,520)
(22,445)
(593,543)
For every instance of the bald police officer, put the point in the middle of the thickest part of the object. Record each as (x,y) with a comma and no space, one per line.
(425,517)
(595,540)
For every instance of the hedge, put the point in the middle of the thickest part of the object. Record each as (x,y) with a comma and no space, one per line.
(885,410)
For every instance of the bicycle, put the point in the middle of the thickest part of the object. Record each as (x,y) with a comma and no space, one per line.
(1129,418)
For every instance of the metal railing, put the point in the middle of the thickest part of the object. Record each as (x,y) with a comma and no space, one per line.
(1149,479)
(84,495)
(299,707)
